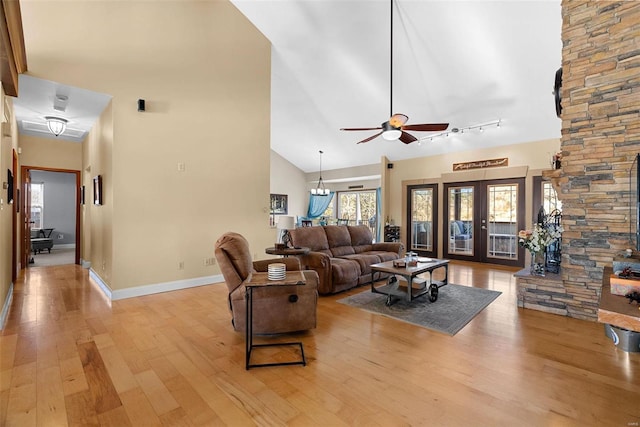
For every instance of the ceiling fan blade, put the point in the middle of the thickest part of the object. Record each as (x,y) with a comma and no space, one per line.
(398,120)
(361,128)
(407,138)
(427,127)
(370,138)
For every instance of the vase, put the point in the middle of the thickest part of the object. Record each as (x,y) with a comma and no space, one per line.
(537,264)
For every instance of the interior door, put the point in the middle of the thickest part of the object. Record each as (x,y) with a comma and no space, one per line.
(483,220)
(26,215)
(422,210)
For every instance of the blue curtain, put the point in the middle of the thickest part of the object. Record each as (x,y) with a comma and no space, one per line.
(318,204)
(379,214)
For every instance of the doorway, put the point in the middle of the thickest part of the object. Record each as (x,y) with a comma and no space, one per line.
(51,226)
(422,213)
(482,220)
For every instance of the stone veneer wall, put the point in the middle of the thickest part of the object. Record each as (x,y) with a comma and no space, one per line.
(600,137)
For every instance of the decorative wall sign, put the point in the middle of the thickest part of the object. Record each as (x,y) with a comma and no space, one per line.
(479,164)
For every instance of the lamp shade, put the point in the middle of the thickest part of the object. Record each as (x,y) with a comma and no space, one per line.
(286,223)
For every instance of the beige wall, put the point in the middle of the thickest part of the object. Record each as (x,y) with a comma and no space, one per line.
(288,179)
(531,158)
(8,142)
(50,153)
(204,72)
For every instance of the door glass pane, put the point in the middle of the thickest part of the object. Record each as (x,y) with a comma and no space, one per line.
(460,221)
(502,203)
(422,219)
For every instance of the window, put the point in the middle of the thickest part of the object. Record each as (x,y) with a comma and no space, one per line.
(550,198)
(544,195)
(37,205)
(356,207)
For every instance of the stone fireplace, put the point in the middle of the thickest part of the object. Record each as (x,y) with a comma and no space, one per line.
(600,138)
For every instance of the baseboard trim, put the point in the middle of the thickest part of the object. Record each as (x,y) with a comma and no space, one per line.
(6,306)
(101,284)
(64,245)
(156,288)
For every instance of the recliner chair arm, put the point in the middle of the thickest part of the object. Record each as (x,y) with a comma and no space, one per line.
(292,263)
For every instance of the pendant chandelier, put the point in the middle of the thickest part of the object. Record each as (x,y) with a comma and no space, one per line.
(56,125)
(320,190)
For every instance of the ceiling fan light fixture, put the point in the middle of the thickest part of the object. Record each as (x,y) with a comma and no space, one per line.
(56,125)
(389,132)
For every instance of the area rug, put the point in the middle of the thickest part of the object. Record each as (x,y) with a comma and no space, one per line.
(455,307)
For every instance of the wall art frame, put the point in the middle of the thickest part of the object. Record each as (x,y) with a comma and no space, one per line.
(97,190)
(279,204)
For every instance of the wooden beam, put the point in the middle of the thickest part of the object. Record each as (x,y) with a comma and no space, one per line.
(13,58)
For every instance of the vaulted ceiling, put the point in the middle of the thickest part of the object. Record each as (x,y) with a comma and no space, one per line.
(462,62)
(467,63)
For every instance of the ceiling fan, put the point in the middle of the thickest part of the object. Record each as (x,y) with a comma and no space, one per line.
(396,127)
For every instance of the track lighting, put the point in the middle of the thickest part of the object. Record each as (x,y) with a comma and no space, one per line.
(480,127)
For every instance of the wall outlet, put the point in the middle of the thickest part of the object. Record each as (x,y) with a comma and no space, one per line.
(181,265)
(209,261)
(182,167)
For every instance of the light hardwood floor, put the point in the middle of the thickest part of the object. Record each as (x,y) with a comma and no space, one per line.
(70,357)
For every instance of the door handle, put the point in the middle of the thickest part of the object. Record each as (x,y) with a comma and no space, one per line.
(484,227)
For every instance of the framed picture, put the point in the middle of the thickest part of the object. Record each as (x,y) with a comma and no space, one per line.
(9,186)
(279,204)
(97,190)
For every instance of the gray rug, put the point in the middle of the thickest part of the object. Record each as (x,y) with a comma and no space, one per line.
(455,307)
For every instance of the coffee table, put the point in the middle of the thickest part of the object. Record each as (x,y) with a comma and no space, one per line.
(392,288)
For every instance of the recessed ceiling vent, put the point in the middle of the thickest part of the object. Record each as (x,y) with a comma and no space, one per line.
(60,102)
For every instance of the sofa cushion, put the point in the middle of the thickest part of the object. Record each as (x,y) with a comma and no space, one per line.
(337,236)
(313,238)
(344,271)
(364,261)
(361,238)
(384,256)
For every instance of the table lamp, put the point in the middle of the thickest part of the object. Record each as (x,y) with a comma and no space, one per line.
(285,223)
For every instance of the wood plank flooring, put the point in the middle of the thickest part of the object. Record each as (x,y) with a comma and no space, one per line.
(70,357)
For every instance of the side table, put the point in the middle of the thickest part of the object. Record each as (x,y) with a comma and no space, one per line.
(287,251)
(261,280)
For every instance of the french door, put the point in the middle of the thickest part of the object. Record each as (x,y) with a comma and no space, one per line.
(482,220)
(422,212)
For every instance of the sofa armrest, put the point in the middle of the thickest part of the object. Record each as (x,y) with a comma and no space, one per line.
(396,247)
(292,263)
(321,264)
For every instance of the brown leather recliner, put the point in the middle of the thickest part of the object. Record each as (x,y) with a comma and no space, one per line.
(273,309)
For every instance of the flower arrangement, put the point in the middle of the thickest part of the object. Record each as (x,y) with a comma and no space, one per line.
(537,240)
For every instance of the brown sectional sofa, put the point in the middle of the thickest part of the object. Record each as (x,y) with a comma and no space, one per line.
(342,254)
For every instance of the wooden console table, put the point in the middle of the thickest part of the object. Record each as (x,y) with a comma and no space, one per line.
(615,309)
